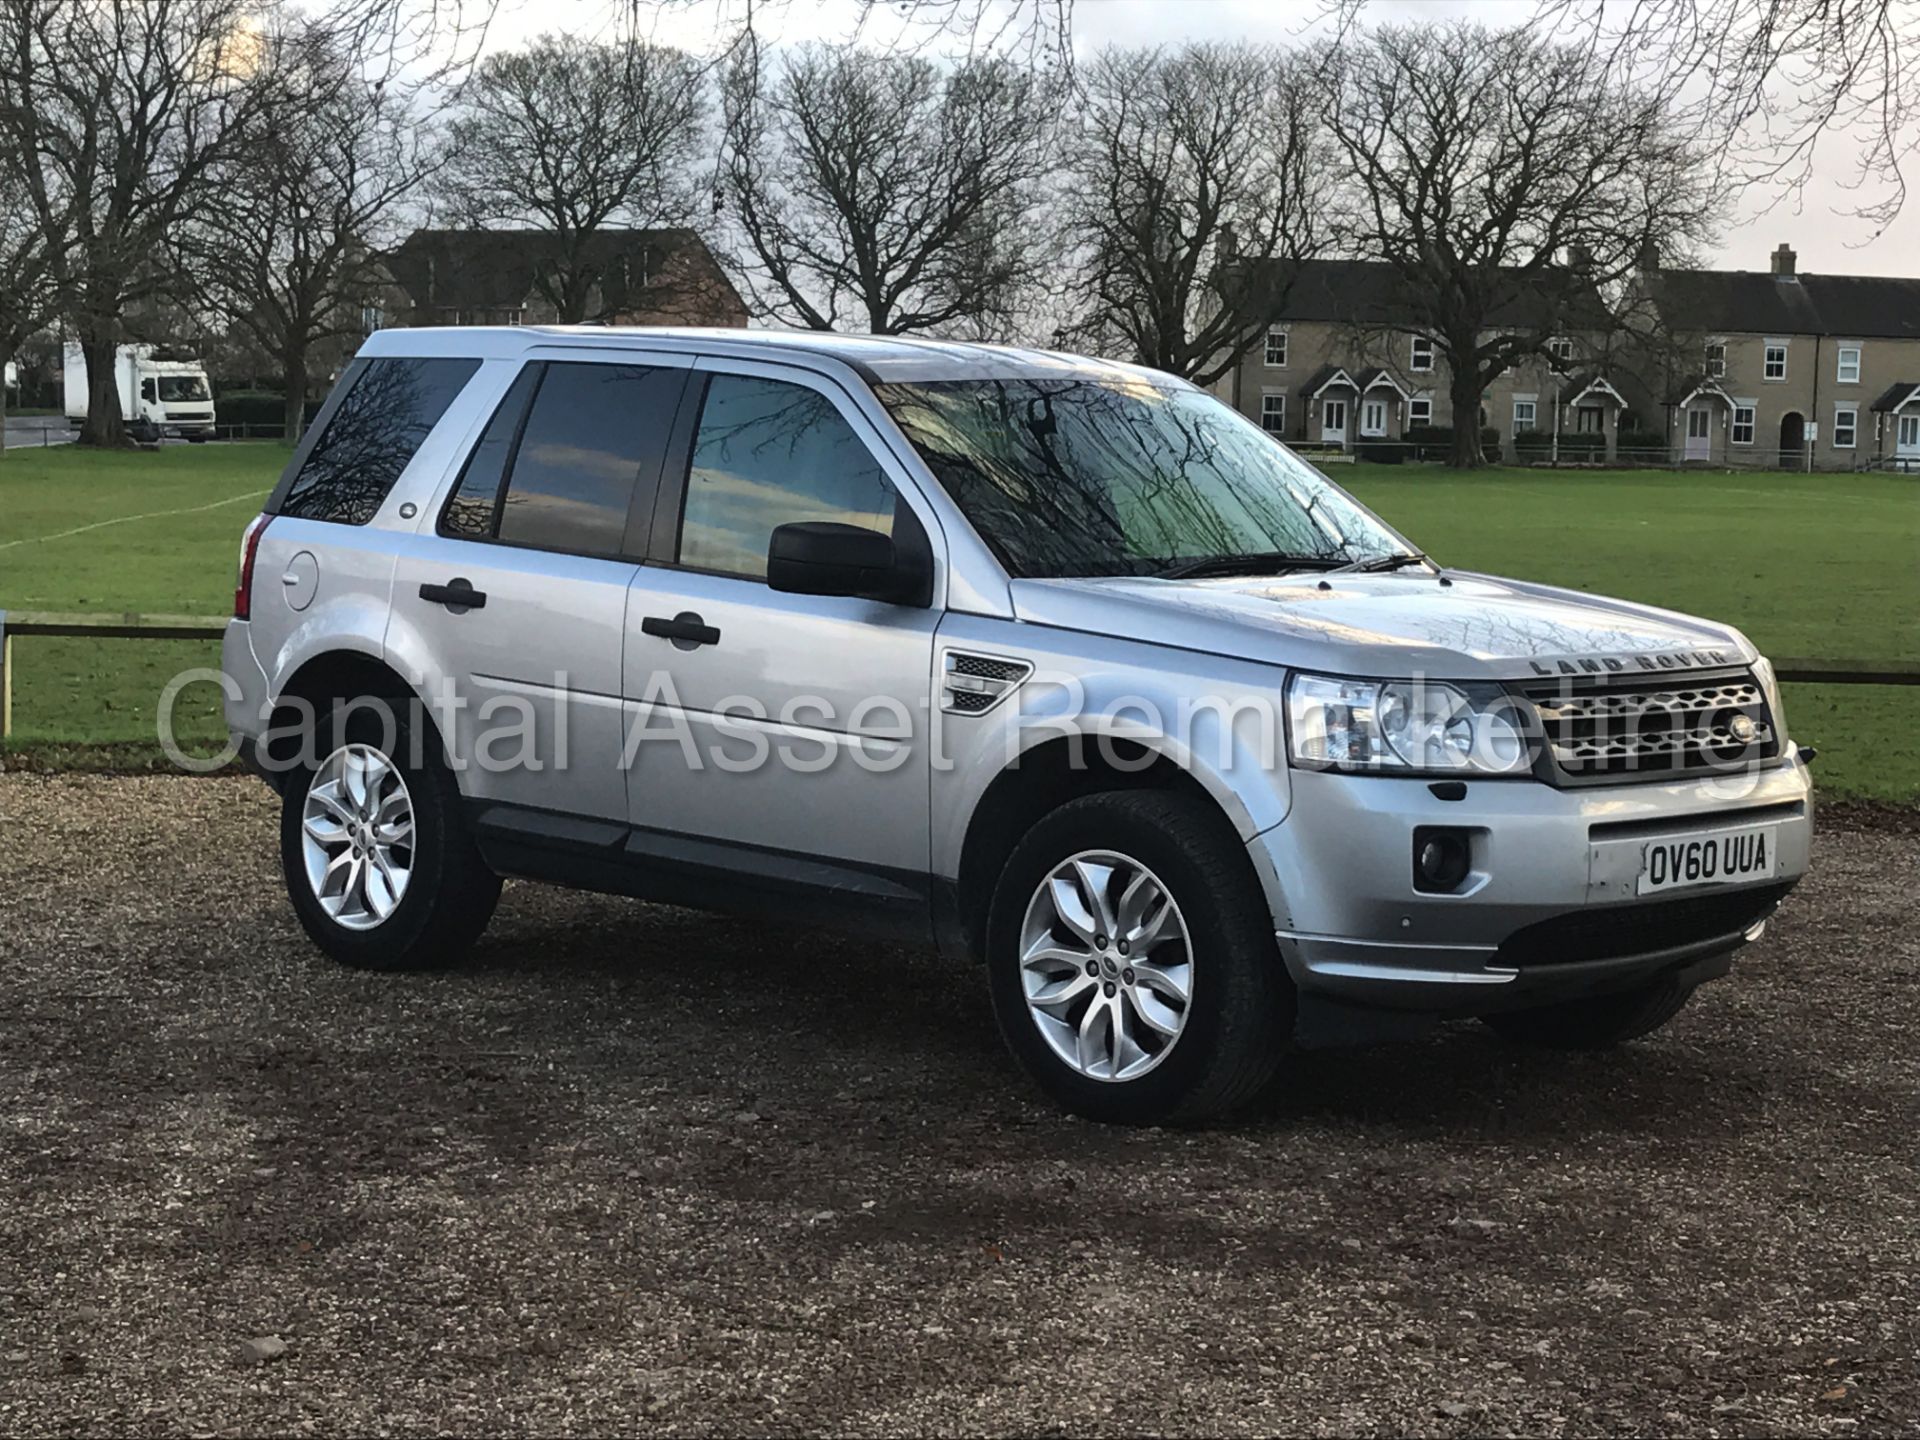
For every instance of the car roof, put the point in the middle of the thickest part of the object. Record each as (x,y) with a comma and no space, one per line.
(877,358)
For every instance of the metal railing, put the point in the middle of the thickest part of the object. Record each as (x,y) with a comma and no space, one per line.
(1794,670)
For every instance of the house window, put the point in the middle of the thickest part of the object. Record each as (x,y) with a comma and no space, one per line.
(1277,349)
(1373,418)
(1717,359)
(1776,361)
(1846,426)
(1273,414)
(1560,351)
(1743,424)
(1422,361)
(1589,420)
(1523,415)
(1420,411)
(1847,372)
(372,317)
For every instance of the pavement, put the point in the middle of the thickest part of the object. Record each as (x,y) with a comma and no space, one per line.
(635,1168)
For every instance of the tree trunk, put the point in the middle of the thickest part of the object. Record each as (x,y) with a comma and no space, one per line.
(6,356)
(296,382)
(104,425)
(1464,391)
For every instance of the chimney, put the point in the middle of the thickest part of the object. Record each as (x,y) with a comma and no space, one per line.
(1579,258)
(1649,256)
(1783,259)
(1229,242)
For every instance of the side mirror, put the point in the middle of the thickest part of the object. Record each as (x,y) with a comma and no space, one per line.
(824,557)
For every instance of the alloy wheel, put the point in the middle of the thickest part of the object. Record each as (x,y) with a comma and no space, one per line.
(1106,965)
(356,831)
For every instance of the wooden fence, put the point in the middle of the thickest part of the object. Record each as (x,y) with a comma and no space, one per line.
(23,624)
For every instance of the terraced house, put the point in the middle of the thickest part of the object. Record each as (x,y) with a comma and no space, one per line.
(1781,368)
(1346,364)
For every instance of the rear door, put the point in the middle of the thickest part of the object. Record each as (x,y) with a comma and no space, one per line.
(794,736)
(517,591)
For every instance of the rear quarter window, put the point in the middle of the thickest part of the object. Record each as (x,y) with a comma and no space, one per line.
(388,411)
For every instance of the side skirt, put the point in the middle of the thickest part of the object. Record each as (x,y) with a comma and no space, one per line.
(616,858)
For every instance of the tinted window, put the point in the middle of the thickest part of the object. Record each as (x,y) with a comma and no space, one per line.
(591,429)
(475,501)
(767,454)
(382,420)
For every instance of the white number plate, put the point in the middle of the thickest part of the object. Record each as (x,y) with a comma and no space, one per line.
(1724,857)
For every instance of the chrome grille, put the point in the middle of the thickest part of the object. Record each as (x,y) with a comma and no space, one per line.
(1634,726)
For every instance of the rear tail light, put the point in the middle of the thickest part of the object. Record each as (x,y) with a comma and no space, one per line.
(249,547)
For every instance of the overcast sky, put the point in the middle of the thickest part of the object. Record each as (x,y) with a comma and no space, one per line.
(1816,224)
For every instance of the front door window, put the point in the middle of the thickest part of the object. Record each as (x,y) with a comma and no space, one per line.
(1333,421)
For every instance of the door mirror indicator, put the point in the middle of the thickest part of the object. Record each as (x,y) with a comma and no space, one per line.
(824,557)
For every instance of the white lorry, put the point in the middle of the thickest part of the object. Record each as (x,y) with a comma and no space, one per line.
(157,396)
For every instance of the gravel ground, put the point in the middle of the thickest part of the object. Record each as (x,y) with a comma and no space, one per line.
(637,1168)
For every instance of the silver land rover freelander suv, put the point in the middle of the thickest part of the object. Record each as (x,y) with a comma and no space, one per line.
(1054,664)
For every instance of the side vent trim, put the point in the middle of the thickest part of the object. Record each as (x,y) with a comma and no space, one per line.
(972,684)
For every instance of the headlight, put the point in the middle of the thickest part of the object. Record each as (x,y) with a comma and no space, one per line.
(1770,687)
(1405,725)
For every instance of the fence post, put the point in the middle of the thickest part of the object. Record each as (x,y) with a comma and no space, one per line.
(6,680)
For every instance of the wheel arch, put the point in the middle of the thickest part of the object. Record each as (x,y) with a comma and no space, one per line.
(338,674)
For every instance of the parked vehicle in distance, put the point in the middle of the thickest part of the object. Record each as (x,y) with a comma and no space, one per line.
(158,396)
(1058,665)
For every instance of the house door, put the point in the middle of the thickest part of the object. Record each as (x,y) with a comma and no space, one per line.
(1908,446)
(1793,437)
(1699,434)
(1333,422)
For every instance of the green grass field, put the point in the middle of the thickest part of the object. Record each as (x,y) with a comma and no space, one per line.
(1824,566)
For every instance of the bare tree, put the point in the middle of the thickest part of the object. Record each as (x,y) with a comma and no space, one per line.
(1484,159)
(27,292)
(291,254)
(572,137)
(883,191)
(1196,184)
(113,117)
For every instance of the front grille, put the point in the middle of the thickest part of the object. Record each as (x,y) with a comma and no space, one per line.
(1614,931)
(1633,726)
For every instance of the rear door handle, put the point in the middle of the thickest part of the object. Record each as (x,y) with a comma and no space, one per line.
(458,595)
(686,630)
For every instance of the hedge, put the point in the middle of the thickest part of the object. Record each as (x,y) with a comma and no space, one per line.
(1435,442)
(255,407)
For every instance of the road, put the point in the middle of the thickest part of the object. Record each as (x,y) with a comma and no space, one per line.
(636,1167)
(24,431)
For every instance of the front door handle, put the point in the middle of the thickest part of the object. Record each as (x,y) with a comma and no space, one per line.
(458,595)
(686,630)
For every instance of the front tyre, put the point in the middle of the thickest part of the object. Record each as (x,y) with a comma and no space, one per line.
(379,862)
(1132,961)
(1595,1023)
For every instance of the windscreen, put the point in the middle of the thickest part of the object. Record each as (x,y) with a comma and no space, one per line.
(181,389)
(1105,475)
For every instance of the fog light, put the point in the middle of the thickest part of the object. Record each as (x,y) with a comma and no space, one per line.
(1441,859)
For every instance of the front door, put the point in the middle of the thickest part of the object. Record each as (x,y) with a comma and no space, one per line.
(1908,438)
(1699,433)
(513,599)
(779,737)
(1333,422)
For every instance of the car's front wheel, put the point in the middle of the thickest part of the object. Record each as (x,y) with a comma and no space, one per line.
(1132,961)
(380,864)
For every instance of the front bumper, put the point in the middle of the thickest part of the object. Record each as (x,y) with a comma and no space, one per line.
(1552,881)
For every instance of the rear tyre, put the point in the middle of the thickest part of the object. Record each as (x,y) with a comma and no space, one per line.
(1596,1023)
(379,861)
(1132,962)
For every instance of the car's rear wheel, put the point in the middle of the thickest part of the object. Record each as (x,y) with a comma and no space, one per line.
(1132,961)
(1596,1022)
(380,864)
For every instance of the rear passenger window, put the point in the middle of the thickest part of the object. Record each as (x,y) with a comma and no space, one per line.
(770,453)
(592,434)
(475,503)
(393,405)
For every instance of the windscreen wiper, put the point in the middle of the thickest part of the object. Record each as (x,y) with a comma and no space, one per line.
(1265,562)
(1379,564)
